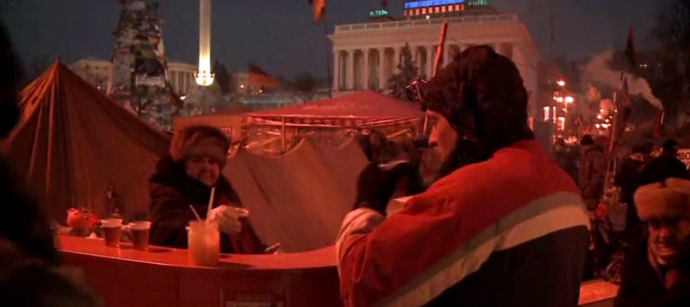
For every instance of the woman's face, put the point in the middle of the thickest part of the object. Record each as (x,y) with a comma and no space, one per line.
(203,162)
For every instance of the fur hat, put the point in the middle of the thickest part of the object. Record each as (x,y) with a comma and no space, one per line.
(188,137)
(664,200)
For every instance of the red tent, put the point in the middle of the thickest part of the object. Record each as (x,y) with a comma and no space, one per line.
(365,109)
(77,147)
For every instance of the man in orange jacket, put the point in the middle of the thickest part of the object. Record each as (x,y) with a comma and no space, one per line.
(505,226)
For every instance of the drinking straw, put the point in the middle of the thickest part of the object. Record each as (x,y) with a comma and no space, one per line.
(195,213)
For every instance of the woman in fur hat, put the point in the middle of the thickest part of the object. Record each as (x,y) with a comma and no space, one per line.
(185,177)
(656,270)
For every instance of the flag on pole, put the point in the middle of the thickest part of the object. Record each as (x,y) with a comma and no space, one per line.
(624,108)
(440,49)
(319,7)
(630,49)
(384,4)
(258,77)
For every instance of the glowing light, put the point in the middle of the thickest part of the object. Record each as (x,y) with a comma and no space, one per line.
(183,97)
(561,123)
(559,99)
(242,86)
(428,17)
(560,82)
(599,117)
(569,99)
(428,3)
(547,112)
(204,77)
(598,126)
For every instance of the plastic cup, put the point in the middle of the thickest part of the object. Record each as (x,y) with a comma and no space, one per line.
(140,234)
(203,243)
(111,231)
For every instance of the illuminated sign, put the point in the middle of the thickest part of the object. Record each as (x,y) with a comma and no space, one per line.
(430,3)
(378,13)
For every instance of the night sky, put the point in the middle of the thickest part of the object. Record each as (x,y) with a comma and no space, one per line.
(279,36)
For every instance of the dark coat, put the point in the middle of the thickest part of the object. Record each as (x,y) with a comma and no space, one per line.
(642,284)
(592,170)
(172,191)
(679,294)
(23,222)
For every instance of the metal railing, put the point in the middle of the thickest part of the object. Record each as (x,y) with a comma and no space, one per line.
(502,18)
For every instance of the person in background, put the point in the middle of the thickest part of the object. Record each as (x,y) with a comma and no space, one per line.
(464,240)
(185,177)
(656,269)
(566,158)
(29,260)
(669,160)
(627,180)
(591,171)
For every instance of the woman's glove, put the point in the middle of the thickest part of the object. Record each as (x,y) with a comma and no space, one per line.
(228,218)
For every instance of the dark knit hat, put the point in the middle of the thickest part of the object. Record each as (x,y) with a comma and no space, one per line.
(188,137)
(481,93)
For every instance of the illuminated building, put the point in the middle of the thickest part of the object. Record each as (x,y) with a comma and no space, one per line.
(98,72)
(366,54)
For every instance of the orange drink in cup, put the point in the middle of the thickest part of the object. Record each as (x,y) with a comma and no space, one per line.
(203,243)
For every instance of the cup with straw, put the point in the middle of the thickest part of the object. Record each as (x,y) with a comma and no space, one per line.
(204,238)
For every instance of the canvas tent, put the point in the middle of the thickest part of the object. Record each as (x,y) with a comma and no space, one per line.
(337,118)
(298,199)
(74,146)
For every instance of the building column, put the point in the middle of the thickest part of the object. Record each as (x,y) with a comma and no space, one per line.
(367,72)
(350,70)
(381,71)
(336,70)
(430,59)
(396,58)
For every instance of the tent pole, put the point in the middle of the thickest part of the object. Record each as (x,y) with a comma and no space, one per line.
(284,137)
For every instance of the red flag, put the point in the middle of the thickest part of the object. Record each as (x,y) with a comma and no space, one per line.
(630,48)
(319,9)
(258,77)
(625,100)
(384,4)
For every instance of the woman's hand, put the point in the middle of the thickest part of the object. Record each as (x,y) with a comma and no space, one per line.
(228,218)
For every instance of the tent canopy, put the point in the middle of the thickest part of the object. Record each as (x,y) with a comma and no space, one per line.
(300,198)
(229,120)
(358,110)
(78,148)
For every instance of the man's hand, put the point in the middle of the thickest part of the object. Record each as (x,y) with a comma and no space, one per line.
(374,189)
(228,218)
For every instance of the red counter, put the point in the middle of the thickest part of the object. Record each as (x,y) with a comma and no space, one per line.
(163,277)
